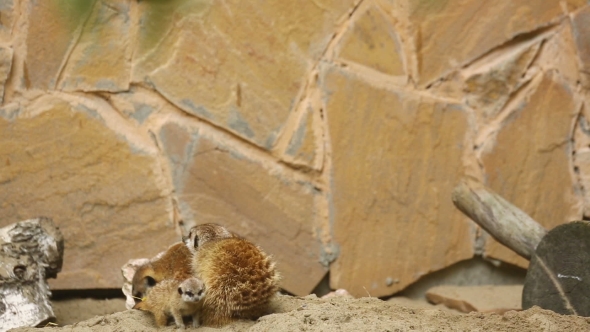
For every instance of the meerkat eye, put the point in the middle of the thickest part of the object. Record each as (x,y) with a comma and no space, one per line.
(150,281)
(196,244)
(180,290)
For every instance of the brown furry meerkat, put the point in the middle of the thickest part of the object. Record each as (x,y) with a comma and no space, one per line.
(175,263)
(174,298)
(240,278)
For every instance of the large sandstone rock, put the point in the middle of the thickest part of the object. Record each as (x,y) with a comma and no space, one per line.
(52,34)
(581,31)
(106,67)
(7,18)
(396,157)
(5,66)
(74,160)
(239,65)
(450,34)
(79,46)
(215,182)
(529,162)
(371,41)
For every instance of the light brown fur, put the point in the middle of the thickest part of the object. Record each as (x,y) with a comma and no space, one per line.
(175,263)
(174,298)
(240,278)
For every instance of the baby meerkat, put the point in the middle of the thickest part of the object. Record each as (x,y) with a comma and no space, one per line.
(175,263)
(174,298)
(240,278)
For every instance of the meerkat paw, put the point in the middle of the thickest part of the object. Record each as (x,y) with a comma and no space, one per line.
(196,321)
(178,321)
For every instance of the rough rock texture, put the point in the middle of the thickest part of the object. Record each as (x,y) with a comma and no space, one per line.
(101,187)
(386,197)
(542,155)
(498,299)
(330,132)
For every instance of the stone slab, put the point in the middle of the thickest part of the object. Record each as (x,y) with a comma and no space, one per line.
(64,159)
(373,42)
(498,299)
(449,34)
(396,157)
(220,63)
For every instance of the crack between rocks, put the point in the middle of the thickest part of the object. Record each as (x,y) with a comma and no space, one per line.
(307,91)
(511,106)
(325,56)
(252,152)
(541,32)
(72,47)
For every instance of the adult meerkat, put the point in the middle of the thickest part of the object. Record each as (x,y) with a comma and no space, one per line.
(240,278)
(174,298)
(175,263)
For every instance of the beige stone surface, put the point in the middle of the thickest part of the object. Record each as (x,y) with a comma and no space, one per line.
(581,31)
(5,66)
(60,159)
(396,158)
(498,299)
(221,63)
(104,68)
(217,183)
(305,146)
(372,41)
(491,81)
(558,54)
(7,19)
(451,33)
(328,131)
(52,34)
(530,163)
(582,157)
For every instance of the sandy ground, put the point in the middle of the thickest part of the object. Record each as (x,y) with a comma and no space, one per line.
(346,314)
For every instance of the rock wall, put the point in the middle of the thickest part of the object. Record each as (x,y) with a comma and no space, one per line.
(331,132)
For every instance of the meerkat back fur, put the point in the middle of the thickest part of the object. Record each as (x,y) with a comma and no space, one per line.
(174,298)
(175,263)
(240,278)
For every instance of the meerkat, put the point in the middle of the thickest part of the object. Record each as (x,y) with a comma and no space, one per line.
(240,278)
(175,263)
(174,298)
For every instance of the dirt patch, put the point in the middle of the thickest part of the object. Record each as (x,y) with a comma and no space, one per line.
(345,314)
(70,311)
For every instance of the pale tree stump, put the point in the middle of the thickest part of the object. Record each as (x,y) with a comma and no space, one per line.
(559,274)
(558,277)
(31,251)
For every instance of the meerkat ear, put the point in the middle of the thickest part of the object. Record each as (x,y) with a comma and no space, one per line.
(180,290)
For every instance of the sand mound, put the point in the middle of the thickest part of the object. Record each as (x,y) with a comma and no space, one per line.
(346,314)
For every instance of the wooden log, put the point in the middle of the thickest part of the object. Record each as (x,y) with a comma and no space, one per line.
(505,222)
(30,252)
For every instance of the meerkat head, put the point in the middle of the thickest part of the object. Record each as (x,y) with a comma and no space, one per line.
(143,280)
(192,290)
(201,234)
